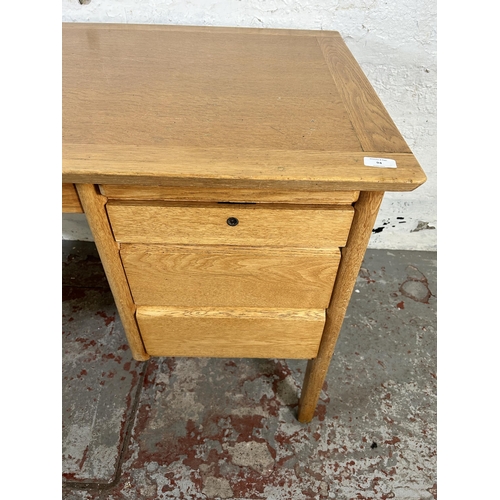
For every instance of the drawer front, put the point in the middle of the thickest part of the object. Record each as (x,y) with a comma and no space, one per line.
(208,276)
(210,224)
(231,333)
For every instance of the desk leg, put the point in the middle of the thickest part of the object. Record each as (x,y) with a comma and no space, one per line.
(94,207)
(366,210)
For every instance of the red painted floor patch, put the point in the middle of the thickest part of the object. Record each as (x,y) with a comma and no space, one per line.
(227,428)
(100,378)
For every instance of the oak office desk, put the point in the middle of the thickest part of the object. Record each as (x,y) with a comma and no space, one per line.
(222,172)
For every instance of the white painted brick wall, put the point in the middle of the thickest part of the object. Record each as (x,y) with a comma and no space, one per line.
(394,41)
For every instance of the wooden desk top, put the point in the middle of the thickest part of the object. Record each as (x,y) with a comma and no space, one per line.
(224,107)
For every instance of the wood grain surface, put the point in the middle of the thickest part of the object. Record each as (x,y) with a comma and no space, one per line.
(223,108)
(228,333)
(238,168)
(375,129)
(93,204)
(278,225)
(70,201)
(164,88)
(169,193)
(202,276)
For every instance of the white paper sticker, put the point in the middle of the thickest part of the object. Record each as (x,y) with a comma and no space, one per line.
(379,162)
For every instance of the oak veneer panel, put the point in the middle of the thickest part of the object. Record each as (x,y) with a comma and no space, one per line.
(205,224)
(231,333)
(230,276)
(70,200)
(238,168)
(123,192)
(224,108)
(199,90)
(373,125)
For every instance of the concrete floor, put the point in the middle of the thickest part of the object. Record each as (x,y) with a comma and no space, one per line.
(192,428)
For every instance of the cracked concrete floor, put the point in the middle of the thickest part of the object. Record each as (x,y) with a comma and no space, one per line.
(198,428)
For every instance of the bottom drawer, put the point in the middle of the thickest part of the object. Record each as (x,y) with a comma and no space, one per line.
(231,333)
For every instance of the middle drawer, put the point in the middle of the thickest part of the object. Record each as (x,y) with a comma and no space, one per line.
(216,276)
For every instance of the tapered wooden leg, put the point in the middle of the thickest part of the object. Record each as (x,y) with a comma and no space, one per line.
(366,210)
(94,206)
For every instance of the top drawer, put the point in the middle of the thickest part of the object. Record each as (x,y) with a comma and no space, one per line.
(308,226)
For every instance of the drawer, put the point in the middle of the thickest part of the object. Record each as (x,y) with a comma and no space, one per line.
(230,224)
(231,333)
(212,276)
